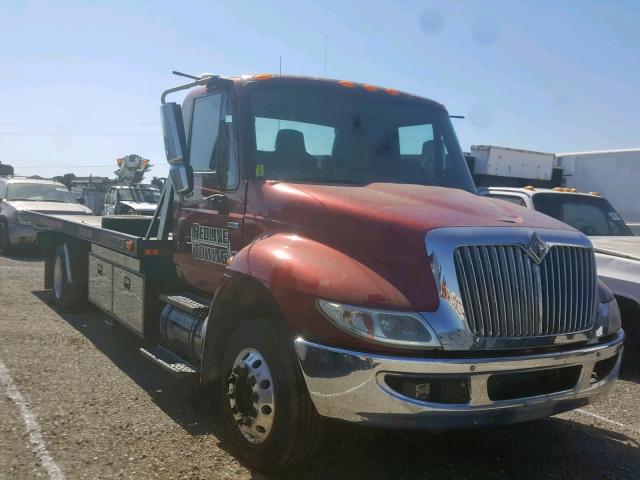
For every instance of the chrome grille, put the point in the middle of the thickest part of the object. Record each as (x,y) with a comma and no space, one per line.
(505,293)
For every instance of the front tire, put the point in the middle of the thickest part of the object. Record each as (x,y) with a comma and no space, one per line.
(273,424)
(68,296)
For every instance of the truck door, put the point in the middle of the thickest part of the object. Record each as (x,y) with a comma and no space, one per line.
(208,222)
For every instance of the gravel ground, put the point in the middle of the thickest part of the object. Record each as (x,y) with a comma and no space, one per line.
(104,412)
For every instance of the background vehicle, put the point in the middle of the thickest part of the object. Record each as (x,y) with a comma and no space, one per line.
(613,173)
(617,249)
(131,200)
(322,253)
(19,194)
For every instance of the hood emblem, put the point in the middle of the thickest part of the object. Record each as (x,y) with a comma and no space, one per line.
(537,249)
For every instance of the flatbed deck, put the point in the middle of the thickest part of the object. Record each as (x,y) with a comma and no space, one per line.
(123,234)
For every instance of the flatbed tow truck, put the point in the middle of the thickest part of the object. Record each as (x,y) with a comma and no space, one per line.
(319,252)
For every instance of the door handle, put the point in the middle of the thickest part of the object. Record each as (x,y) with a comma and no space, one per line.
(126,283)
(218,202)
(100,272)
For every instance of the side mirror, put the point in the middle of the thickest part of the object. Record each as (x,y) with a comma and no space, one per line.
(175,147)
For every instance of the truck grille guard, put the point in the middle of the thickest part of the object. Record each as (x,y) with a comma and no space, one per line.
(512,287)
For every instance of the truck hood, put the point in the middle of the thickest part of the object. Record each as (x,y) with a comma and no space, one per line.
(628,247)
(383,225)
(140,206)
(51,207)
(416,207)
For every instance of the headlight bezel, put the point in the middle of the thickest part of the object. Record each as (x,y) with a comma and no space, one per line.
(379,323)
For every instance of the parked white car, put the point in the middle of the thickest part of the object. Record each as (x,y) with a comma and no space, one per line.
(131,200)
(18,194)
(617,249)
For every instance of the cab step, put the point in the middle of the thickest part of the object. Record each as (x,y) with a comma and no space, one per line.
(169,361)
(196,306)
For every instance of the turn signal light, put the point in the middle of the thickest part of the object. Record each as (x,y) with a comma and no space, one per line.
(262,76)
(129,245)
(529,187)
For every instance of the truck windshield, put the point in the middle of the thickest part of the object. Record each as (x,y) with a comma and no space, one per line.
(39,192)
(591,215)
(330,134)
(147,195)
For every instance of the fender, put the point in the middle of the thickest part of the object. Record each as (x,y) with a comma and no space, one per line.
(287,273)
(287,263)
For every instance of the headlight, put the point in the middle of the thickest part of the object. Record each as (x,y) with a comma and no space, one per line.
(394,328)
(609,317)
(20,219)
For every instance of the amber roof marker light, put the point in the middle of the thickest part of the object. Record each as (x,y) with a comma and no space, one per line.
(346,83)
(262,76)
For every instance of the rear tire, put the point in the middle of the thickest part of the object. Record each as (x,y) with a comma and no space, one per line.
(5,241)
(272,422)
(68,296)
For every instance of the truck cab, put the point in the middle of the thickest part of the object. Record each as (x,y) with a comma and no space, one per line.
(319,252)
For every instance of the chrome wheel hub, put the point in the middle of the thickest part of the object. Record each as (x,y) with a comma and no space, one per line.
(57,277)
(251,395)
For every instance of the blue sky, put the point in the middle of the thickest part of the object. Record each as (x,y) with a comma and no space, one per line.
(80,81)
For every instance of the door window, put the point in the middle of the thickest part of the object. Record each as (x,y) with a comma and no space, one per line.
(212,146)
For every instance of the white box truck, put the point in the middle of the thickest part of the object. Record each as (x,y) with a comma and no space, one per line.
(512,162)
(614,173)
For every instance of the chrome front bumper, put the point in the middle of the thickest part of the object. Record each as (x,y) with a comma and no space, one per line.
(351,386)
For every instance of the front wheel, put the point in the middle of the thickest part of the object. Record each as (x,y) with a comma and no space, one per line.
(272,421)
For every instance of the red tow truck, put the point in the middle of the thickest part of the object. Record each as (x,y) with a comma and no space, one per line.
(319,252)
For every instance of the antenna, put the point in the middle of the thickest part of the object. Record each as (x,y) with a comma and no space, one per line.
(280,66)
(325,54)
